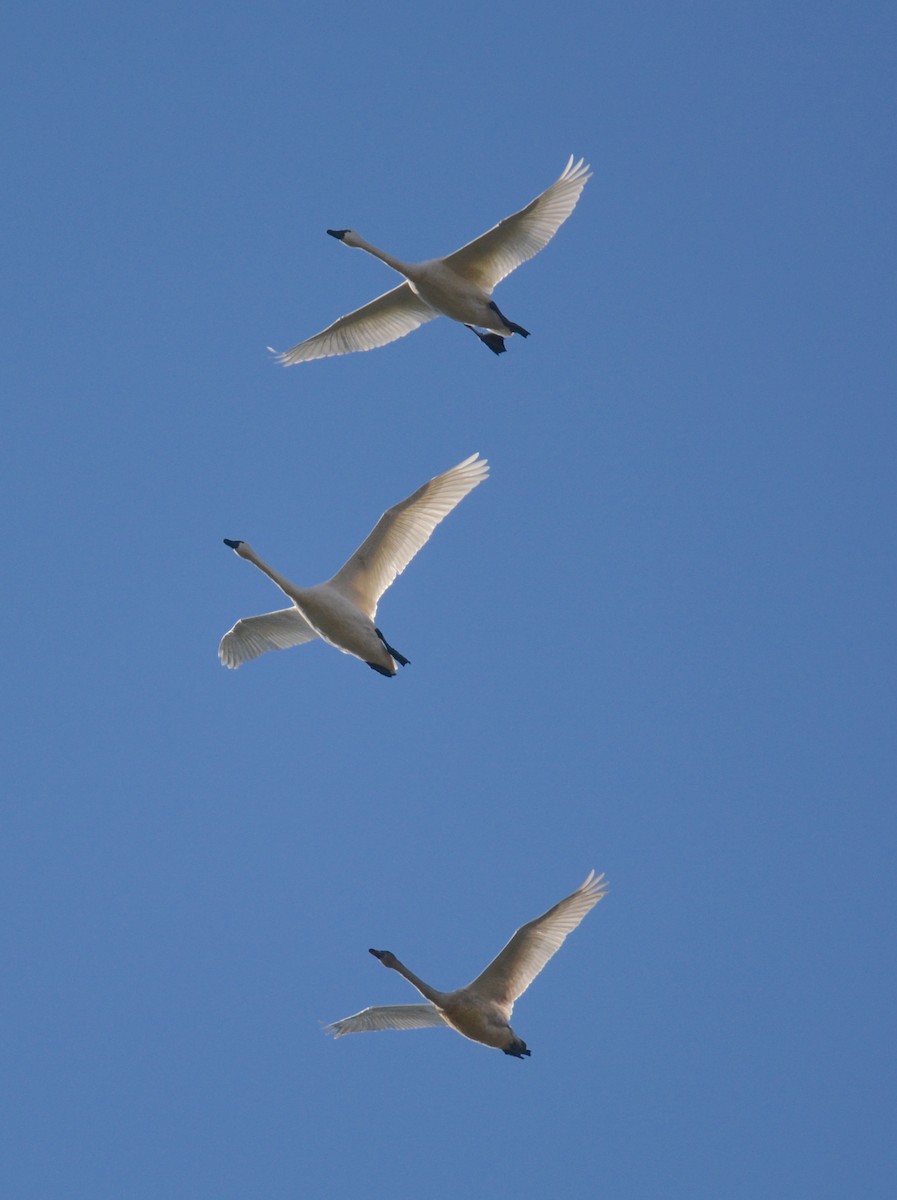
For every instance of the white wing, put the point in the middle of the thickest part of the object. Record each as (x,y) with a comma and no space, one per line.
(510,974)
(385,319)
(390,1016)
(401,532)
(489,258)
(272,631)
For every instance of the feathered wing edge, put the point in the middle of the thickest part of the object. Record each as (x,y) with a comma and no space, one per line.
(384,320)
(402,531)
(388,1016)
(252,636)
(488,259)
(512,971)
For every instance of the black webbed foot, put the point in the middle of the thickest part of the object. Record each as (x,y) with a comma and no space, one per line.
(517,1049)
(400,658)
(495,343)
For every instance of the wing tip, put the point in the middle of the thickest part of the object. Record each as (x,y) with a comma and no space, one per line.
(576,173)
(594,886)
(285,358)
(226,655)
(474,466)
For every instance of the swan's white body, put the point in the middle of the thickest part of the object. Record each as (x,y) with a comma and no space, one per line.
(482,1010)
(459,286)
(342,610)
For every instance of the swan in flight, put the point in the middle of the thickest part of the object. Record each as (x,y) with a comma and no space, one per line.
(342,610)
(458,286)
(482,1010)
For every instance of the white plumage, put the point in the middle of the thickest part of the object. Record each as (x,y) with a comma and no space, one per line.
(482,1010)
(342,610)
(459,286)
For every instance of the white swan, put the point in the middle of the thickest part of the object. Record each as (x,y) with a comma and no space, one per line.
(482,1010)
(342,610)
(458,286)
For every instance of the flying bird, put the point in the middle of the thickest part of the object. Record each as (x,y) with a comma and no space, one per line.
(482,1010)
(459,286)
(342,610)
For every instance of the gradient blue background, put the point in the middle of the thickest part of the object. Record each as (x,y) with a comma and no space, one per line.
(658,641)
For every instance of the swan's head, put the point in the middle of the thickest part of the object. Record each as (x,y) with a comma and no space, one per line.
(386,957)
(237,547)
(349,236)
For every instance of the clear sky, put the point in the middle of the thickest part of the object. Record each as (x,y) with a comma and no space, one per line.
(658,641)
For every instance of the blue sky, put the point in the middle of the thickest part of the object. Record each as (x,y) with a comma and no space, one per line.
(658,641)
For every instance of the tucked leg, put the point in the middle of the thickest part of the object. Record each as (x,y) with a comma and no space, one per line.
(517,1049)
(510,324)
(400,658)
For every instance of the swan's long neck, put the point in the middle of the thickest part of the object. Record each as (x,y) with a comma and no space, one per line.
(289,589)
(425,990)
(395,263)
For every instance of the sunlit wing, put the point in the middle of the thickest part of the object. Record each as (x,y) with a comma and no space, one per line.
(489,258)
(253,636)
(401,532)
(385,319)
(390,1016)
(513,970)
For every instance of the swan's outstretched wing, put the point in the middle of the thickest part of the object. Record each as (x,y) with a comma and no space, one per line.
(510,974)
(385,319)
(401,532)
(272,631)
(488,259)
(389,1016)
